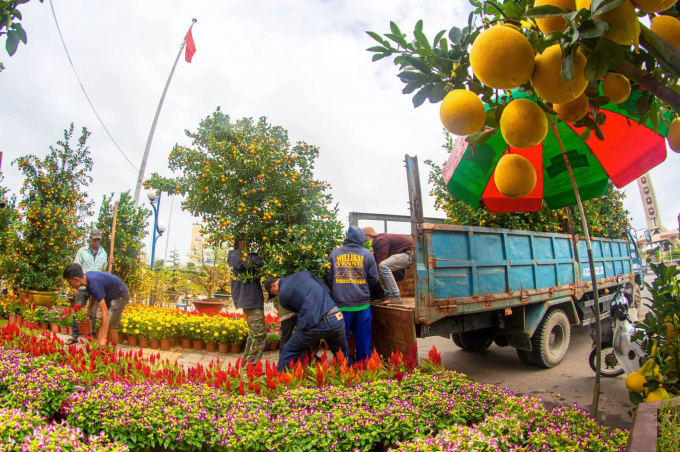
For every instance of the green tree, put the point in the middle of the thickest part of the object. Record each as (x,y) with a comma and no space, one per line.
(606,215)
(53,209)
(131,229)
(247,181)
(8,223)
(10,25)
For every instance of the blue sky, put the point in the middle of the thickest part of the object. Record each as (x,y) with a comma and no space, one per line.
(301,63)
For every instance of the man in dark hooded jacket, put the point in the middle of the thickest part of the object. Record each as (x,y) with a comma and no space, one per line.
(249,297)
(352,270)
(318,316)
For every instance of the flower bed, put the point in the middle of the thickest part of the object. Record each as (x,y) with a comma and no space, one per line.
(151,403)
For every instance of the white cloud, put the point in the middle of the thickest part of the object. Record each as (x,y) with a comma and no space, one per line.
(301,63)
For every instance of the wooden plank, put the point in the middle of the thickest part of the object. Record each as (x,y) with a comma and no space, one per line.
(393,328)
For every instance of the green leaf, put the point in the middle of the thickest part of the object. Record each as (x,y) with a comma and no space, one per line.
(436,39)
(22,33)
(438,92)
(599,101)
(378,56)
(499,112)
(443,44)
(544,11)
(16,13)
(596,66)
(455,35)
(568,66)
(593,28)
(399,39)
(585,134)
(636,398)
(644,119)
(422,39)
(602,6)
(421,95)
(491,120)
(410,76)
(419,25)
(395,29)
(514,10)
(480,137)
(598,132)
(655,120)
(419,64)
(375,36)
(377,49)
(12,42)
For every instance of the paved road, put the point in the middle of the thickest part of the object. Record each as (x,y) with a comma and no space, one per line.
(570,382)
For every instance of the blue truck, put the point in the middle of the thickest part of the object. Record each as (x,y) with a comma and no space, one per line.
(480,285)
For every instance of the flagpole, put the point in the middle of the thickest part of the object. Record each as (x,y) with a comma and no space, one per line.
(142,168)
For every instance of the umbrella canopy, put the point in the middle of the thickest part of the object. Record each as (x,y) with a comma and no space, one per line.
(628,151)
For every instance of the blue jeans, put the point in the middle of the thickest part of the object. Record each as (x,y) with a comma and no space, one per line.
(331,329)
(386,267)
(81,300)
(359,323)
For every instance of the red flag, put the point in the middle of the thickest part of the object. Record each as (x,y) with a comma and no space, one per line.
(191,47)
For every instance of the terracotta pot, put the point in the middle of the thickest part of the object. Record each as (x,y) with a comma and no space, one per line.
(186,344)
(121,337)
(223,348)
(155,343)
(211,346)
(54,327)
(44,326)
(144,342)
(20,320)
(63,330)
(237,348)
(165,344)
(132,341)
(12,318)
(202,304)
(45,298)
(85,327)
(198,345)
(70,330)
(175,342)
(273,345)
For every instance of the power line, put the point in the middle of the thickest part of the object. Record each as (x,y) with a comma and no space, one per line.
(83,88)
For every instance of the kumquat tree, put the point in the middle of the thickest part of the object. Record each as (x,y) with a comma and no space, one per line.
(247,182)
(52,212)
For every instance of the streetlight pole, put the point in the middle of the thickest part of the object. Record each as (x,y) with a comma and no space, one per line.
(158,228)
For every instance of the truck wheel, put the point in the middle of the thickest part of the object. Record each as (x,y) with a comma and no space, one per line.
(476,341)
(456,339)
(501,339)
(525,357)
(551,339)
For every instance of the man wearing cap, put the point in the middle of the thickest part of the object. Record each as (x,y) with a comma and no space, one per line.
(392,252)
(92,258)
(318,316)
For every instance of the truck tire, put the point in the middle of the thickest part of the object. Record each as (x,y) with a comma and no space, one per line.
(525,357)
(551,339)
(456,339)
(476,341)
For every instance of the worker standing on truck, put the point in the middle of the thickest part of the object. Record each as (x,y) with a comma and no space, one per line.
(392,252)
(318,316)
(249,297)
(352,270)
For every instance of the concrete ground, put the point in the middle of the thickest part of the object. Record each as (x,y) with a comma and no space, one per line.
(571,382)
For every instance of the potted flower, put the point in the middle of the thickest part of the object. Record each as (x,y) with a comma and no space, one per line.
(211,335)
(132,331)
(197,337)
(53,205)
(223,339)
(155,333)
(13,307)
(212,273)
(274,337)
(238,332)
(82,319)
(186,334)
(65,320)
(42,318)
(53,315)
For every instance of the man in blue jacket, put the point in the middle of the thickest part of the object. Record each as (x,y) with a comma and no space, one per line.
(318,316)
(352,270)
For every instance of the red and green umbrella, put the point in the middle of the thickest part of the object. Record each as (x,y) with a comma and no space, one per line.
(628,151)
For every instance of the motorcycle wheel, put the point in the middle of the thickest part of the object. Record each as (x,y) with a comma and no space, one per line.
(610,364)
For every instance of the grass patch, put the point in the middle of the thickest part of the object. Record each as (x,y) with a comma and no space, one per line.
(669,429)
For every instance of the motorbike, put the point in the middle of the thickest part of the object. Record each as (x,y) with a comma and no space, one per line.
(620,352)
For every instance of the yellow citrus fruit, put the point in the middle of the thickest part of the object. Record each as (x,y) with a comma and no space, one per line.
(668,28)
(623,23)
(547,77)
(523,124)
(634,382)
(462,112)
(657,395)
(616,87)
(515,176)
(574,110)
(670,329)
(548,24)
(674,136)
(653,6)
(502,58)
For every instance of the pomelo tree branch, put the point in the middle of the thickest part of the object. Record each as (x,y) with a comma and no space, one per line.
(646,80)
(665,53)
